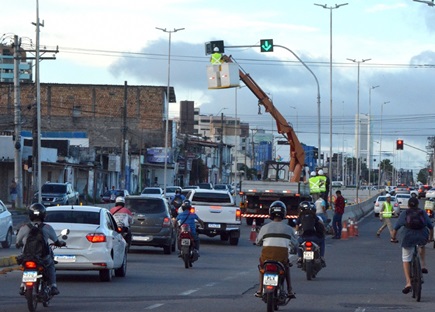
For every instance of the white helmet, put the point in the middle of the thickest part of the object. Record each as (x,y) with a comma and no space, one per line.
(313,173)
(216,49)
(120,200)
(320,172)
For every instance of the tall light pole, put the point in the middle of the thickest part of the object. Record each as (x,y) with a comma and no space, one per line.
(380,144)
(167,105)
(369,148)
(330,8)
(357,127)
(296,117)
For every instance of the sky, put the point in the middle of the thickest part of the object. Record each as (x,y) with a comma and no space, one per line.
(110,42)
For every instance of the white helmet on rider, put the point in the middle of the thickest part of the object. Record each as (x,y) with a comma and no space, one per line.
(119,201)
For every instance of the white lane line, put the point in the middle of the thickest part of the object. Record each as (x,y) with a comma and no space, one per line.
(210,284)
(154,306)
(188,292)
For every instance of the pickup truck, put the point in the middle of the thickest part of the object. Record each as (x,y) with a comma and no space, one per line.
(54,194)
(219,212)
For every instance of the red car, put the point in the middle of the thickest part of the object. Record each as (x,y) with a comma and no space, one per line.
(422,190)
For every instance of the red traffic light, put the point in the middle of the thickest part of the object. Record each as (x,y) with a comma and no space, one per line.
(399,144)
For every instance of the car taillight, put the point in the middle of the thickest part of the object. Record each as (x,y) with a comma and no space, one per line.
(166,222)
(96,237)
(238,215)
(30,265)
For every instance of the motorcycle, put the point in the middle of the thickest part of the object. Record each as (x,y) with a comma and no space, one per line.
(186,245)
(274,293)
(311,261)
(35,286)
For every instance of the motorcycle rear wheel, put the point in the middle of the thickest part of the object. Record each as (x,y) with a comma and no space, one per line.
(186,259)
(270,302)
(309,270)
(31,296)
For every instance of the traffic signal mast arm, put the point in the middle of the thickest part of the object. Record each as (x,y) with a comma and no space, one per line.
(297,154)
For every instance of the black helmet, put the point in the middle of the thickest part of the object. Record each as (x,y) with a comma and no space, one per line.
(413,195)
(37,212)
(305,205)
(186,205)
(277,209)
(413,202)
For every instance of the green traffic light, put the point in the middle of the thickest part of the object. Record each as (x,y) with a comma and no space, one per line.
(266,45)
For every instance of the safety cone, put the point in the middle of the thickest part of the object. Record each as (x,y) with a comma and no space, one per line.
(253,235)
(351,229)
(344,234)
(356,228)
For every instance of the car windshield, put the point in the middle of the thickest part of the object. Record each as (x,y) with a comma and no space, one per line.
(151,191)
(171,189)
(220,187)
(212,198)
(145,205)
(73,216)
(53,188)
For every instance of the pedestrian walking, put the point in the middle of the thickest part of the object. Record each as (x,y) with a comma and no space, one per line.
(385,216)
(13,192)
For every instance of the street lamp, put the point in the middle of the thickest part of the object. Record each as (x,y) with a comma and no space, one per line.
(167,104)
(369,149)
(380,144)
(296,117)
(357,125)
(330,8)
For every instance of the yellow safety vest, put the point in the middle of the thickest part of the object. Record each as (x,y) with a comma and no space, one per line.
(388,210)
(216,59)
(314,185)
(322,184)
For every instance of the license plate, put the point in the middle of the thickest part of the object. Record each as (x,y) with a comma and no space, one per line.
(142,238)
(185,242)
(65,258)
(270,279)
(30,276)
(308,255)
(214,226)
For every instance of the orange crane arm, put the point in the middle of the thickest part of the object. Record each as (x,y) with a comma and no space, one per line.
(297,153)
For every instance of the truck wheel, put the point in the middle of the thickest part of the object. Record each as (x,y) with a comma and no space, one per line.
(249,221)
(259,221)
(234,241)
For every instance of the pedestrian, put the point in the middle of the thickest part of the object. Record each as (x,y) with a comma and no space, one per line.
(418,230)
(385,216)
(338,215)
(314,185)
(321,208)
(13,192)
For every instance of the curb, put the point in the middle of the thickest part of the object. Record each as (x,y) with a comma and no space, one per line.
(8,264)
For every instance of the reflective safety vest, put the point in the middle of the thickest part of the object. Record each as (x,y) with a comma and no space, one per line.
(388,210)
(322,184)
(216,59)
(314,185)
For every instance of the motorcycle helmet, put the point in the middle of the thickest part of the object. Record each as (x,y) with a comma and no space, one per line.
(305,205)
(119,201)
(185,227)
(277,209)
(413,202)
(37,212)
(413,195)
(186,205)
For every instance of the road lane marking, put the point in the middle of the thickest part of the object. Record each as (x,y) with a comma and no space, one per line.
(210,284)
(154,306)
(188,292)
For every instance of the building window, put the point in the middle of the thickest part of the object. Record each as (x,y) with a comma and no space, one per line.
(77,110)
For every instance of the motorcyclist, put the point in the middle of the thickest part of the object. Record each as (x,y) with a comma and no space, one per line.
(123,217)
(176,201)
(188,217)
(276,238)
(311,228)
(37,213)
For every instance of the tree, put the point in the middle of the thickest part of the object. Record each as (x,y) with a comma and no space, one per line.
(422,176)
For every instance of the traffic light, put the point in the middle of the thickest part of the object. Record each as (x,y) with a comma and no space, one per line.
(399,144)
(266,45)
(430,172)
(209,46)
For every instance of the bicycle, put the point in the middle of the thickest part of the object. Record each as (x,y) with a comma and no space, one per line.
(416,274)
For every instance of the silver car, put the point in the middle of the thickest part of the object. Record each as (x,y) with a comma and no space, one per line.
(5,226)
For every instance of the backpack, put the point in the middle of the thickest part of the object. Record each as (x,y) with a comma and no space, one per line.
(308,222)
(36,246)
(415,219)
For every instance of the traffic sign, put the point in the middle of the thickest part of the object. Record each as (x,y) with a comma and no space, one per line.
(266,45)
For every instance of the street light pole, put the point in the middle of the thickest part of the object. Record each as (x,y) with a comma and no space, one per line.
(380,144)
(357,127)
(167,105)
(330,8)
(369,149)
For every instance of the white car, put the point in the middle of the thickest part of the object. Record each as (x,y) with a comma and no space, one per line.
(402,200)
(156,192)
(430,193)
(5,226)
(94,241)
(380,200)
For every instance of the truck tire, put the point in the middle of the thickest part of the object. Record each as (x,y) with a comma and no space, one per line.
(234,241)
(249,221)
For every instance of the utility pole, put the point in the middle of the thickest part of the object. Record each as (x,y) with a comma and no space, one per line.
(124,139)
(18,173)
(221,149)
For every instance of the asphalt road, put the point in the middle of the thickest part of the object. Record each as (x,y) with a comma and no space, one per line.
(362,274)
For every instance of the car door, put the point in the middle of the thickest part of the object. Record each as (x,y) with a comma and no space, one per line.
(118,242)
(3,222)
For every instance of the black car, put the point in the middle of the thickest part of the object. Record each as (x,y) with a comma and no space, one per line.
(152,224)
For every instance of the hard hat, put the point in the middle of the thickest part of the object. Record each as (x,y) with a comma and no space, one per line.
(313,173)
(216,49)
(320,172)
(388,195)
